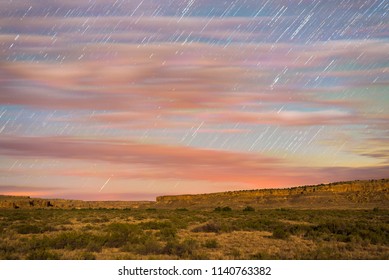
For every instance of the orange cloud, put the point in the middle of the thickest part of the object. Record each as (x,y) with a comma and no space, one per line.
(132,160)
(153,161)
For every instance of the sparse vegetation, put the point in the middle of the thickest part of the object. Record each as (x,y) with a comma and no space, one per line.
(238,231)
(171,234)
(280,233)
(249,209)
(208,227)
(211,243)
(225,209)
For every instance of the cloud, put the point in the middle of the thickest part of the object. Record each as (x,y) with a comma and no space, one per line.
(27,191)
(129,160)
(375,147)
(217,23)
(285,118)
(160,160)
(8,189)
(357,173)
(167,81)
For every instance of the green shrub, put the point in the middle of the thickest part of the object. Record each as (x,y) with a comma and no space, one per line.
(211,243)
(155,225)
(280,233)
(118,234)
(149,245)
(95,245)
(225,209)
(168,233)
(248,208)
(26,229)
(184,249)
(253,223)
(208,227)
(42,254)
(71,240)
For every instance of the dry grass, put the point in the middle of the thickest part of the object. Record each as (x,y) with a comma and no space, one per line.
(194,234)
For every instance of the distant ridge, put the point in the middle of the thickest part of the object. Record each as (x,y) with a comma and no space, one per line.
(349,194)
(365,194)
(26,202)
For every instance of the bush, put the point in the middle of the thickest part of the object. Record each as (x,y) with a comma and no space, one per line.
(184,249)
(248,208)
(211,243)
(42,254)
(254,223)
(70,240)
(280,233)
(95,245)
(225,209)
(167,233)
(118,234)
(155,225)
(149,245)
(26,229)
(209,227)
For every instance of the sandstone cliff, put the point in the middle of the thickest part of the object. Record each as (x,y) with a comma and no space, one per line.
(353,194)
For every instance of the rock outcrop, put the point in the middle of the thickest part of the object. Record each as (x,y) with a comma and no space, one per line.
(353,194)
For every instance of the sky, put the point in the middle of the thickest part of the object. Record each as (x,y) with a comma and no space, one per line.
(129,100)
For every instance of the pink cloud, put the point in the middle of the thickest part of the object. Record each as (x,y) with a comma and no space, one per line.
(130,160)
(284,118)
(155,81)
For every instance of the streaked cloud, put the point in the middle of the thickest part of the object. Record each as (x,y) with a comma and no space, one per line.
(218,95)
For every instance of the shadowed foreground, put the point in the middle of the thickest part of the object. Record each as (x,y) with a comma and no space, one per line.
(194,234)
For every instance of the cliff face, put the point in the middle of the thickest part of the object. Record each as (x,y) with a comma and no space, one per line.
(354,194)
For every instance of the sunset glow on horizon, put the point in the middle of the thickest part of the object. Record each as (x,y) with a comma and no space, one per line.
(129,100)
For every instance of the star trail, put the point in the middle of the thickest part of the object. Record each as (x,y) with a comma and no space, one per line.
(114,99)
